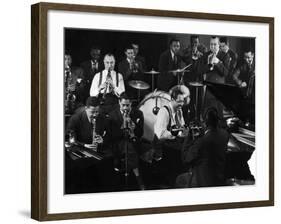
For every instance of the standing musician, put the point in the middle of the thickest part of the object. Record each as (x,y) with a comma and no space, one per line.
(131,68)
(74,84)
(126,128)
(169,131)
(169,60)
(138,57)
(108,84)
(215,68)
(233,57)
(244,75)
(91,67)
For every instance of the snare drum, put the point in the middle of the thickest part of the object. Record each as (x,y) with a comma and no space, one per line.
(150,105)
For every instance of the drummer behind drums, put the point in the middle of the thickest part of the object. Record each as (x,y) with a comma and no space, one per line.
(169,132)
(108,85)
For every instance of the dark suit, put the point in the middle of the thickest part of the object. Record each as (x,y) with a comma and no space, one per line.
(88,175)
(167,80)
(117,135)
(89,74)
(233,58)
(207,157)
(217,75)
(128,74)
(80,125)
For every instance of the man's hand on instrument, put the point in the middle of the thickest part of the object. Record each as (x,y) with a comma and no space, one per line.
(102,86)
(215,60)
(184,133)
(98,139)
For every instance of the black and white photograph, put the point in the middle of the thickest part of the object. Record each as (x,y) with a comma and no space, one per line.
(157,111)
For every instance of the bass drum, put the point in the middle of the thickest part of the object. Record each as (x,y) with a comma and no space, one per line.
(149,106)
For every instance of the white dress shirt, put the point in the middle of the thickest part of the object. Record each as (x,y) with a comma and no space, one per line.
(94,91)
(162,121)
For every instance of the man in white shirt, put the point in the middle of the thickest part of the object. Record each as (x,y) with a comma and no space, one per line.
(108,84)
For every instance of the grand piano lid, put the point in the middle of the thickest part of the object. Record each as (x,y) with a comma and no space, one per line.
(233,99)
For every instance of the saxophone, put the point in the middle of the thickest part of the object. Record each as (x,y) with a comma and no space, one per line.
(97,139)
(108,87)
(70,100)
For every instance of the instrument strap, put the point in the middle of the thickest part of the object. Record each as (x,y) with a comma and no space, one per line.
(117,79)
(170,116)
(100,78)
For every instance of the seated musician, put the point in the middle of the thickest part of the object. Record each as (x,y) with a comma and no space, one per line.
(206,156)
(86,124)
(108,85)
(169,131)
(126,129)
(74,84)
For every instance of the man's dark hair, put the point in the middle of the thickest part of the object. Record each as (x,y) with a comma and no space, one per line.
(175,91)
(95,47)
(128,47)
(211,117)
(192,37)
(92,102)
(215,37)
(124,96)
(67,52)
(249,49)
(173,40)
(224,40)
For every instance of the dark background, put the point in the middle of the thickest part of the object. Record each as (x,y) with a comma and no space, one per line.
(79,42)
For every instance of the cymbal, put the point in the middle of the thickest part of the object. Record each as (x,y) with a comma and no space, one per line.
(138,84)
(197,84)
(178,71)
(152,72)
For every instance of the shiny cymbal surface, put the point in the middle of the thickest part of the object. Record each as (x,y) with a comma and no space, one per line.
(178,71)
(138,84)
(197,84)
(152,72)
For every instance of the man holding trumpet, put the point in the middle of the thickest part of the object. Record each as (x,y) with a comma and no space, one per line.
(214,69)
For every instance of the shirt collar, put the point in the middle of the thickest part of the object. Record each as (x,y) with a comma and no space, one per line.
(173,54)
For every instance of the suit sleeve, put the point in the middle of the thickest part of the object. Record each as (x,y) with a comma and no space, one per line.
(190,150)
(223,66)
(139,125)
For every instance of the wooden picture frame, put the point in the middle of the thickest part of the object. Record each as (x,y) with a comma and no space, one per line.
(39,109)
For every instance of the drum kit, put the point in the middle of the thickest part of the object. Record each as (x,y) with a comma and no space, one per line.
(152,102)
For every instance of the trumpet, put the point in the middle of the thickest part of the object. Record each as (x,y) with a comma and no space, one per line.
(134,66)
(97,139)
(129,126)
(195,54)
